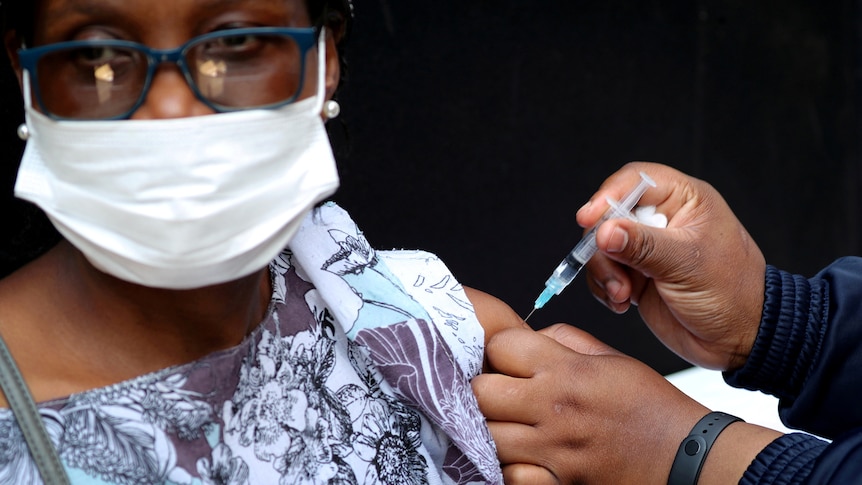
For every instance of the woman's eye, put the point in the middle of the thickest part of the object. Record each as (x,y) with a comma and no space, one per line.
(237,41)
(237,48)
(97,54)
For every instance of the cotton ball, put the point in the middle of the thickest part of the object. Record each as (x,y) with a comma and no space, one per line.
(648,216)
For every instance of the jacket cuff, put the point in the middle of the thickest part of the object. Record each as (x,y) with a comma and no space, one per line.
(787,460)
(788,338)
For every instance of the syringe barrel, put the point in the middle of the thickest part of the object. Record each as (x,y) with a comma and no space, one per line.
(585,249)
(563,274)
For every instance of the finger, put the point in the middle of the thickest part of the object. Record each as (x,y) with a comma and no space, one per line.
(614,187)
(504,398)
(578,340)
(640,284)
(526,474)
(518,443)
(518,352)
(667,195)
(602,297)
(609,282)
(599,294)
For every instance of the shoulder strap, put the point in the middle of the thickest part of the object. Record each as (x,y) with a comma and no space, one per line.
(25,411)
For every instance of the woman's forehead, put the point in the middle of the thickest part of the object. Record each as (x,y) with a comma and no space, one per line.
(51,9)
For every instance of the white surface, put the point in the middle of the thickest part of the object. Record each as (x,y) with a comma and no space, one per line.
(708,388)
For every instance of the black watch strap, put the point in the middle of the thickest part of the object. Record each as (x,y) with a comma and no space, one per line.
(693,450)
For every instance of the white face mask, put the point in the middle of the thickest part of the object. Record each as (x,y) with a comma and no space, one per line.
(180,203)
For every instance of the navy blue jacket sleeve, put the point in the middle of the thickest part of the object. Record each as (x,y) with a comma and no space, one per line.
(808,353)
(787,460)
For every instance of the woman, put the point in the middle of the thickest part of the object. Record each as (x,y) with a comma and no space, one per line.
(178,147)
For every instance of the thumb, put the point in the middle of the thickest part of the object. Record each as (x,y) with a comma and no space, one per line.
(655,252)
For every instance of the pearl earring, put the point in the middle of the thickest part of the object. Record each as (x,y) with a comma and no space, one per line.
(23,131)
(331,109)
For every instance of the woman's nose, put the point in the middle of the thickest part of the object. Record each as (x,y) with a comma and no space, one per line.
(170,96)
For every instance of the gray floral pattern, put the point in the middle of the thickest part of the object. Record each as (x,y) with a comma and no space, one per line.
(298,402)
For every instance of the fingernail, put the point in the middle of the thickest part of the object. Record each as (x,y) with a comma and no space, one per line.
(618,241)
(612,288)
(583,207)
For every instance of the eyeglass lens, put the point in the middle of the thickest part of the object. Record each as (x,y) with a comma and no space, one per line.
(229,71)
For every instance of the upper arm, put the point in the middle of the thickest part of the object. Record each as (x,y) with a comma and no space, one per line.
(493,313)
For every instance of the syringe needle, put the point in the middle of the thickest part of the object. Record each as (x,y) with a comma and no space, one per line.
(531,314)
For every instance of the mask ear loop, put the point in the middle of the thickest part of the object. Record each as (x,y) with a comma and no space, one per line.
(23,128)
(329,109)
(321,69)
(25,78)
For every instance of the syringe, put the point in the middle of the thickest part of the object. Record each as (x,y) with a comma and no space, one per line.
(586,247)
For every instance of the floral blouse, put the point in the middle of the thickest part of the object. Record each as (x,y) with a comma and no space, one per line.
(359,374)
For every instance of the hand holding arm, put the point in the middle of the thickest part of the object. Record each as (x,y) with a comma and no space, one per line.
(698,283)
(568,409)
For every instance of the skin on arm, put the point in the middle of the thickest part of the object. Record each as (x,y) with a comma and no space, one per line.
(493,313)
(567,408)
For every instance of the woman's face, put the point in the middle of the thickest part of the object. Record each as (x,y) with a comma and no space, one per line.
(166,24)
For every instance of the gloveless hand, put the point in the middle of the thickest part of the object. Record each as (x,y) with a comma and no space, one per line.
(698,283)
(566,408)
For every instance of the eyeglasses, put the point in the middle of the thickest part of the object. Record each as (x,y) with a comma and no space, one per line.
(258,67)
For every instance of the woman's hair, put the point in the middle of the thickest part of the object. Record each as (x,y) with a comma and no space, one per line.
(20,16)
(336,15)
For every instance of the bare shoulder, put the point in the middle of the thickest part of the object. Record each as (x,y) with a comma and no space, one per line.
(493,313)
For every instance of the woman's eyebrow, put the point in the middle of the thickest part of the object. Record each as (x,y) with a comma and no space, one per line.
(216,3)
(86,7)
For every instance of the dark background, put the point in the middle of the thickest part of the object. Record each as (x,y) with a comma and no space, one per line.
(476,128)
